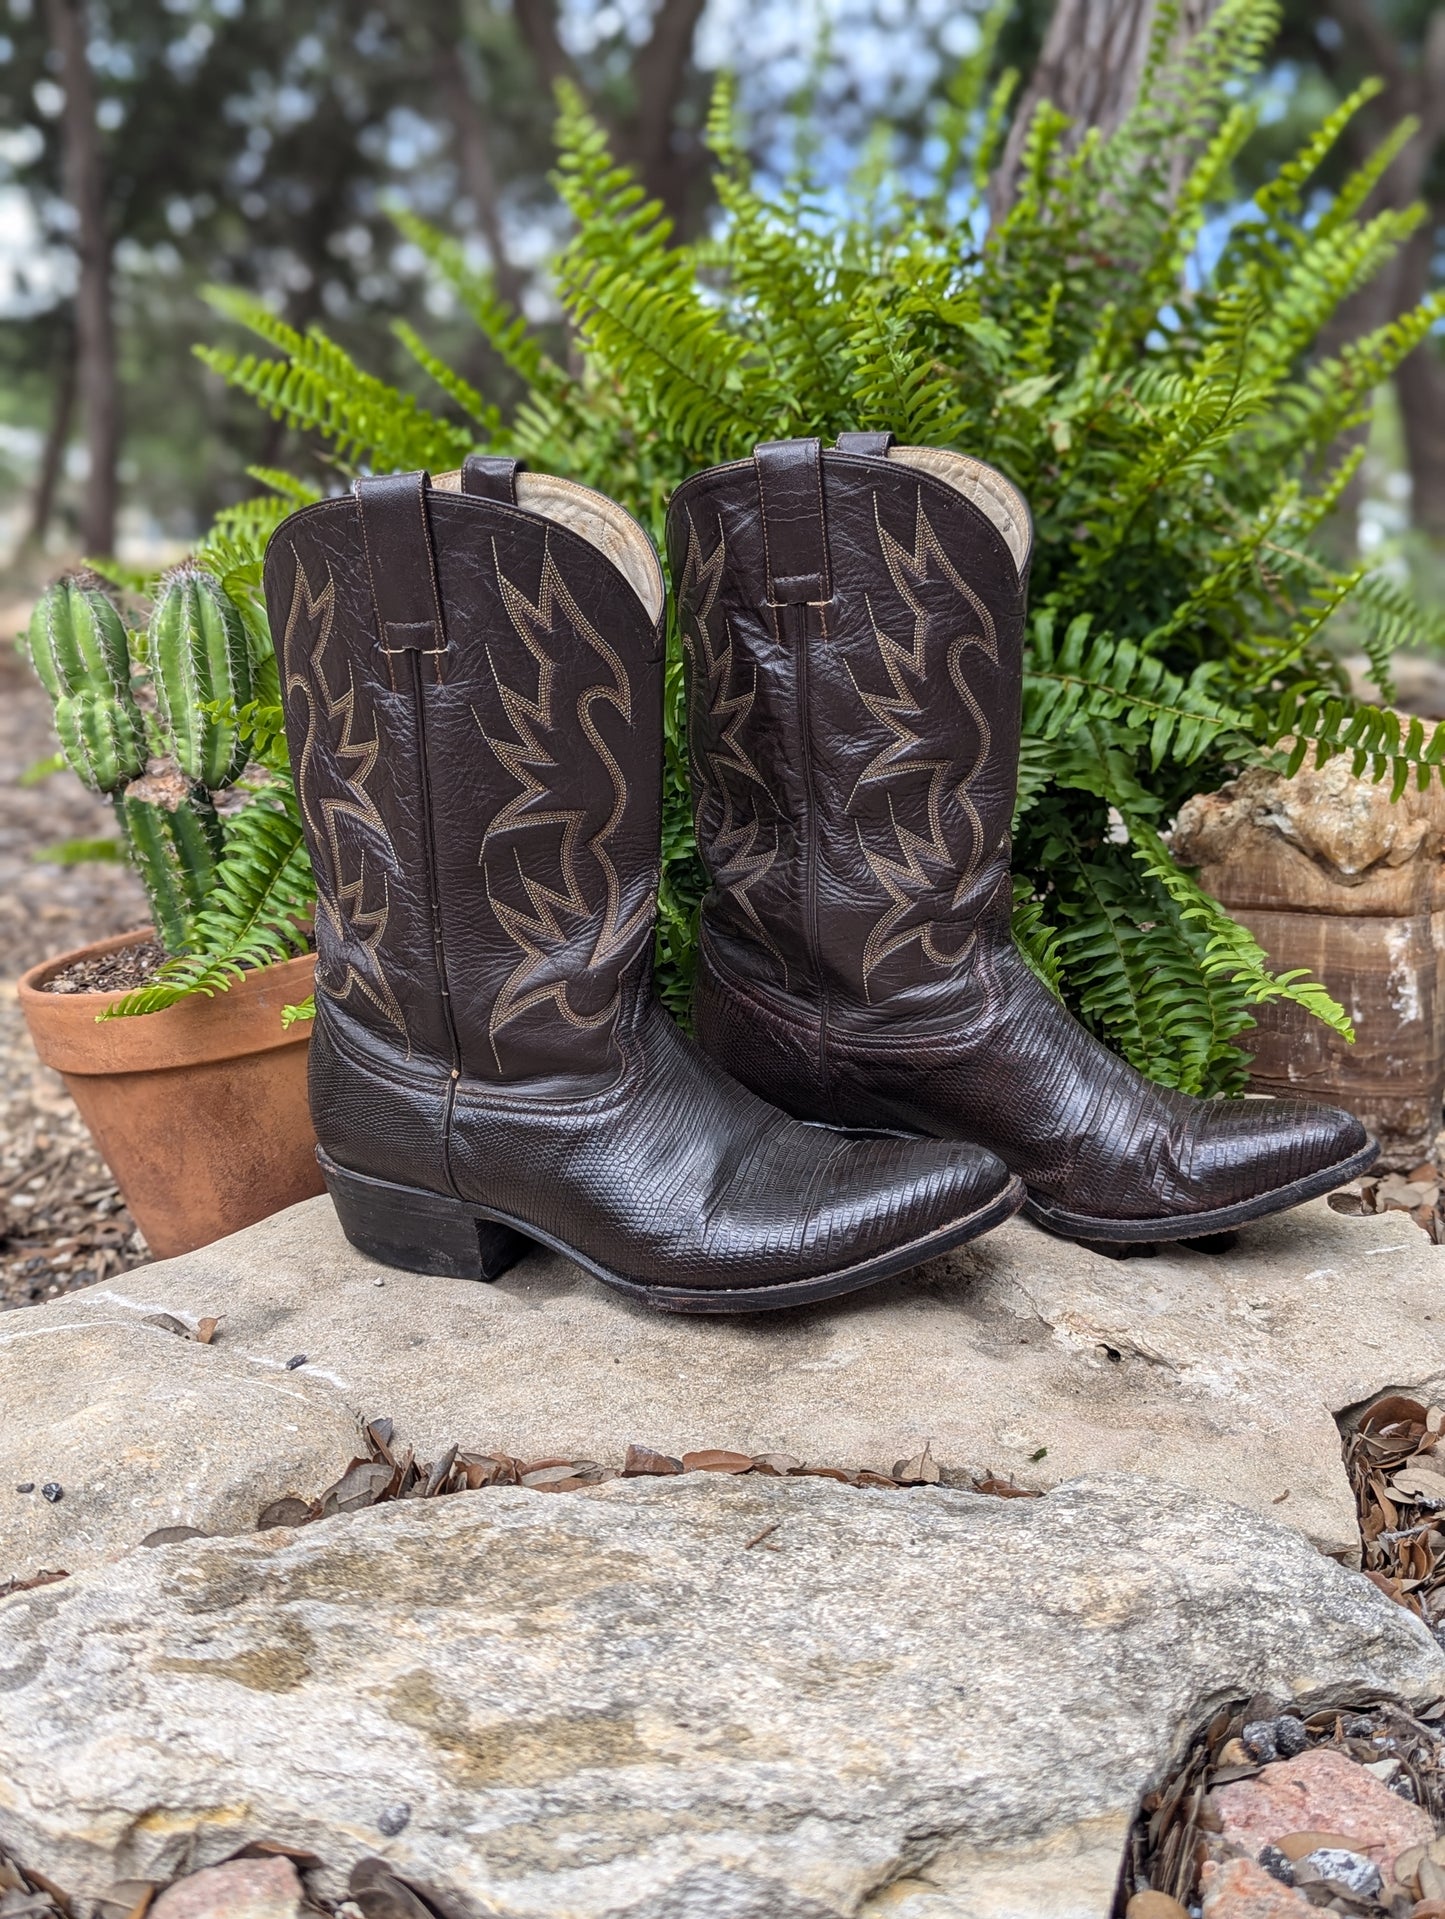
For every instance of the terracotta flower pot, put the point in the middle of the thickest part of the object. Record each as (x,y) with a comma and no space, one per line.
(200,1111)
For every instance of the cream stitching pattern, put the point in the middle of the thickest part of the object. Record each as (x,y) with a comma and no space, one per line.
(342,905)
(436,594)
(734,863)
(552,926)
(905,877)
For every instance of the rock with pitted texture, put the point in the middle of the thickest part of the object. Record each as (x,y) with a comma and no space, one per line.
(142,1429)
(639,1700)
(1028,1355)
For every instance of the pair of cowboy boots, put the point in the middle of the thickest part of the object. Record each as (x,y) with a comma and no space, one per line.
(472,672)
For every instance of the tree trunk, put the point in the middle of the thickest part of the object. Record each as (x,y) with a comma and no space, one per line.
(659,74)
(95,355)
(57,439)
(1417,90)
(474,158)
(1092,60)
(1420,383)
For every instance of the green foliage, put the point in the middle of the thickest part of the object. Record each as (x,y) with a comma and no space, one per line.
(1167,412)
(200,667)
(80,852)
(255,911)
(222,895)
(78,648)
(175,845)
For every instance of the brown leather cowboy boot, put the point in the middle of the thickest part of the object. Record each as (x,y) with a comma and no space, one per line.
(472,675)
(854,626)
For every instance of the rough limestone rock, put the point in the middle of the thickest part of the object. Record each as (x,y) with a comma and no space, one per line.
(140,1429)
(1267,840)
(610,1702)
(1022,1353)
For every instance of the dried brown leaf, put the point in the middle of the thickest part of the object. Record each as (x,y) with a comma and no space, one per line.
(921,1470)
(42,1578)
(363,1484)
(1420,1483)
(776,1465)
(715,1460)
(440,1473)
(167,1323)
(487,1469)
(382,1895)
(642,1462)
(555,1479)
(288,1511)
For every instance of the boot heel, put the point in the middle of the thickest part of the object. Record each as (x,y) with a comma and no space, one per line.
(419,1232)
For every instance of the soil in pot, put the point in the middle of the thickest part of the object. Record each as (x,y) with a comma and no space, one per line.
(200,1110)
(122,971)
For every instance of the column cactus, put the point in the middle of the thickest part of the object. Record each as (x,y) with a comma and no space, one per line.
(200,666)
(82,655)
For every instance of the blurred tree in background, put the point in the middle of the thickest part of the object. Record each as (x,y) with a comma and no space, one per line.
(148,147)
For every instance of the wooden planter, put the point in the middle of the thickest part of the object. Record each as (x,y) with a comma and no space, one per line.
(199,1111)
(1328,874)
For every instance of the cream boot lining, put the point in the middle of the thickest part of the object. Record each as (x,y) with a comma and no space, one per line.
(986,488)
(594,518)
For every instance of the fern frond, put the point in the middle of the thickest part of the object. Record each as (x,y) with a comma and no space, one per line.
(256,912)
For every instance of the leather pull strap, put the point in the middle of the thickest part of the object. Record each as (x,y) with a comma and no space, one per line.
(872,445)
(491,476)
(402,563)
(795,534)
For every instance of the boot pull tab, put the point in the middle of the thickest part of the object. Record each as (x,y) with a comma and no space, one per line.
(401,562)
(795,532)
(873,446)
(492,476)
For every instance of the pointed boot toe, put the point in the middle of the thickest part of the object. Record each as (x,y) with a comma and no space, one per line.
(1226,1162)
(1271,1148)
(878,1194)
(473,676)
(853,621)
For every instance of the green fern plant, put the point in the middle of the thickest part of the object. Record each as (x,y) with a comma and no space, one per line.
(1172,425)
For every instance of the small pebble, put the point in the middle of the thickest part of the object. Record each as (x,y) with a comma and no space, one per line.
(1260,1741)
(1276,1865)
(27,1487)
(1290,1736)
(378,1282)
(1346,1871)
(393,1819)
(52,1492)
(296,1359)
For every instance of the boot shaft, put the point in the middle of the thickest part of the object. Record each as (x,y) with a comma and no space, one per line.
(853,625)
(472,678)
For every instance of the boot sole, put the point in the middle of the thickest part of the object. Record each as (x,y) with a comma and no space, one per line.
(1191,1226)
(422,1232)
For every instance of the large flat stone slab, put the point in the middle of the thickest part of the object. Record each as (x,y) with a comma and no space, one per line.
(134,1428)
(925,1704)
(1023,1353)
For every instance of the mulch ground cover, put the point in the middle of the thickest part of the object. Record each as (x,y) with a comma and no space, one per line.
(62,1222)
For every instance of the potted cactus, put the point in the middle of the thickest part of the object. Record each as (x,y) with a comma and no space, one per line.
(183,1062)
